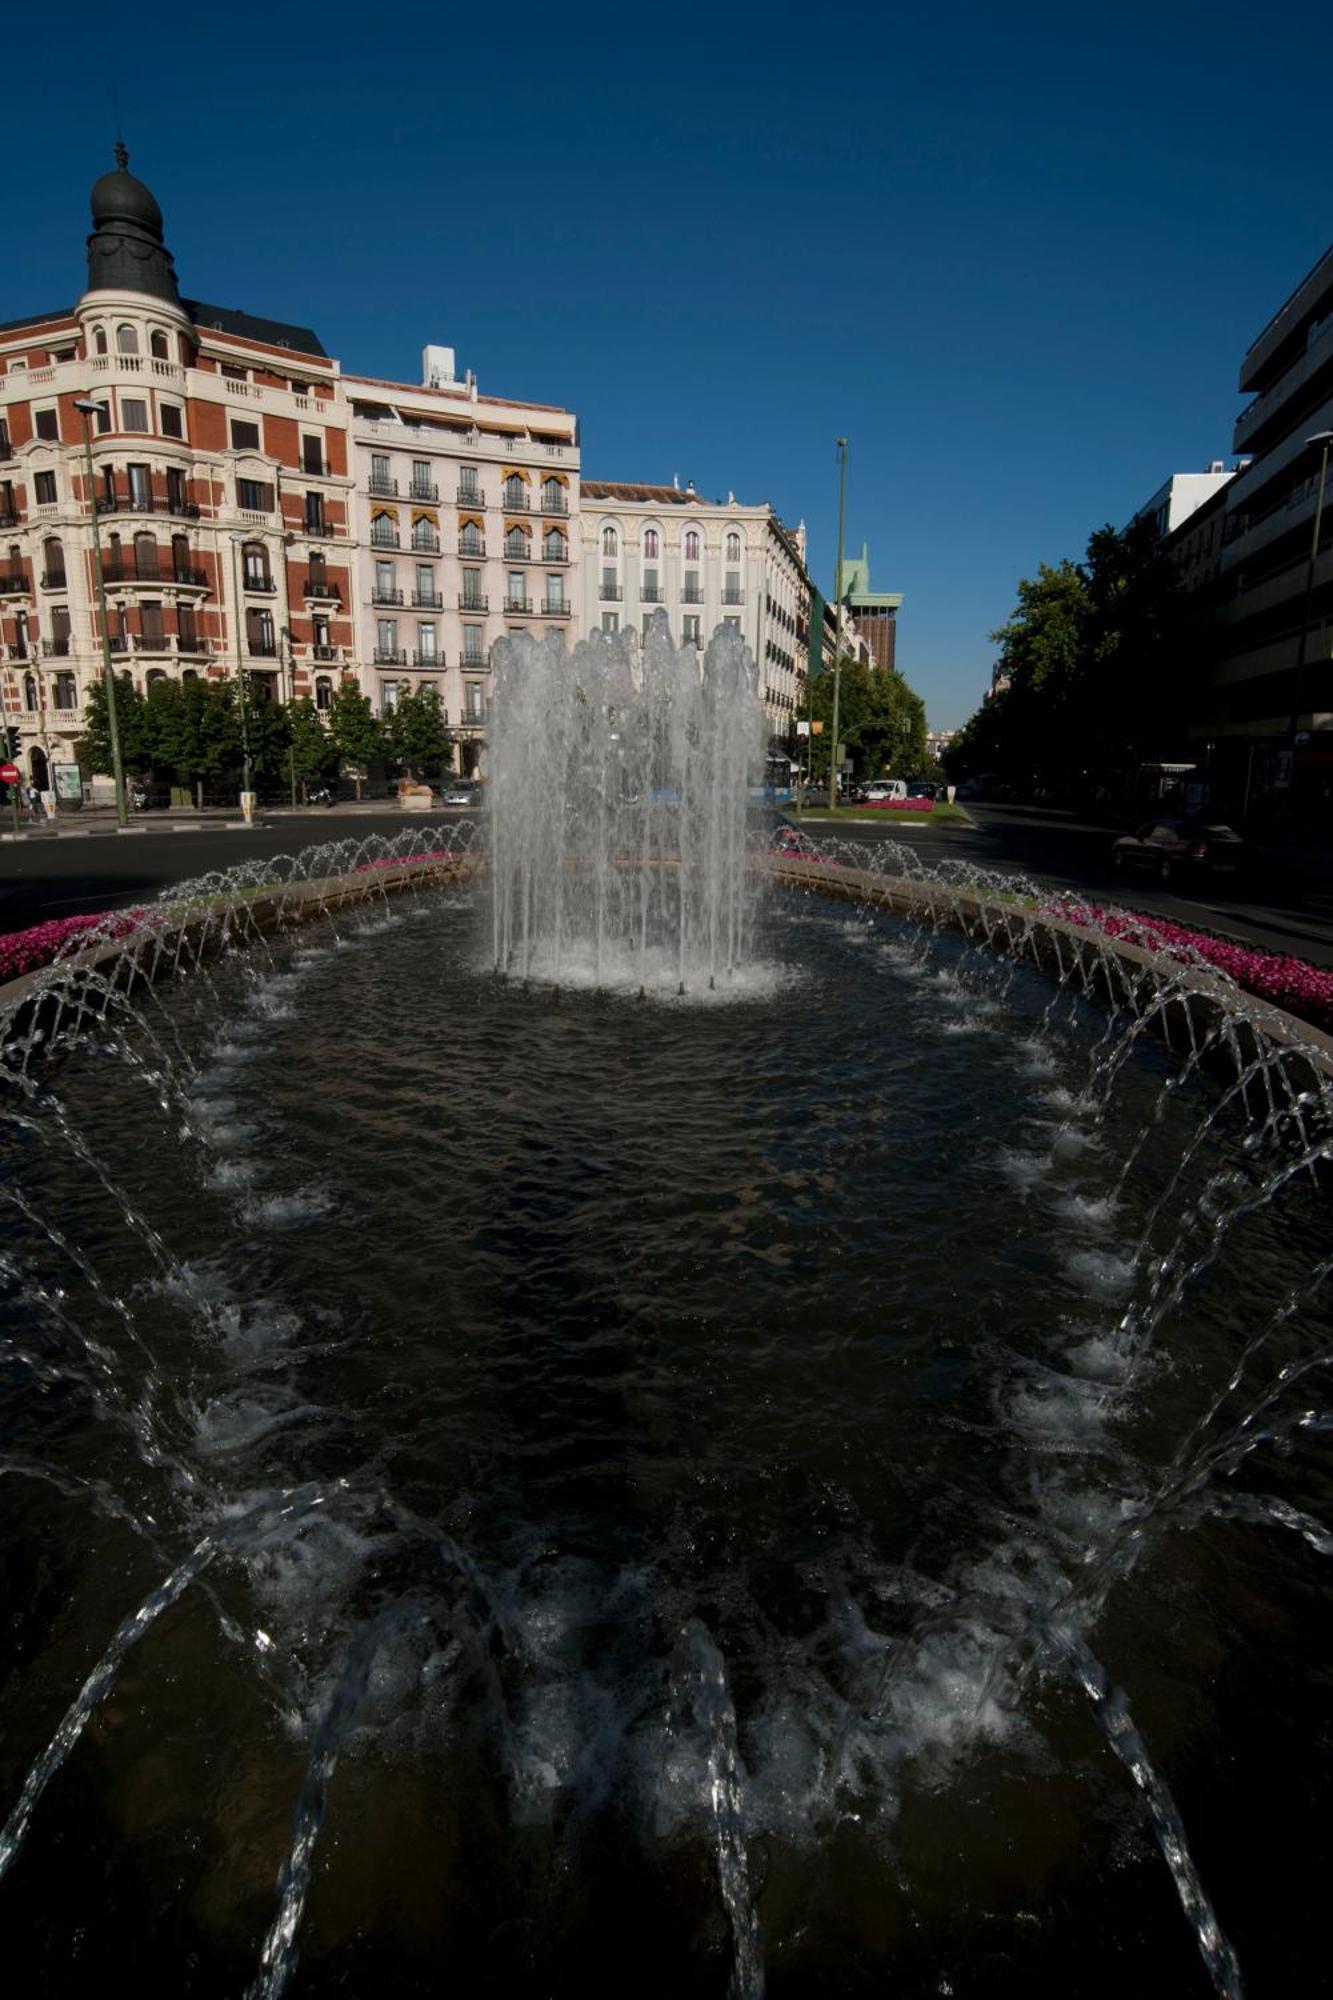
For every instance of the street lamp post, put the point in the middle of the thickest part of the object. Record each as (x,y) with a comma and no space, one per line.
(1323,439)
(87,409)
(837,629)
(247,795)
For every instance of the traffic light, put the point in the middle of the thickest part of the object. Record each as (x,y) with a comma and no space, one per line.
(11,742)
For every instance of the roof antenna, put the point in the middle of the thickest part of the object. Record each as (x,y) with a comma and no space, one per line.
(122,151)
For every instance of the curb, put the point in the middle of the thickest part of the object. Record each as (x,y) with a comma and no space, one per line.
(101,832)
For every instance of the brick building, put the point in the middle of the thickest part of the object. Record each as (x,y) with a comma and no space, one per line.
(220,462)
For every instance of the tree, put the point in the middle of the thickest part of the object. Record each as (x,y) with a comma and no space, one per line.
(880,719)
(314,752)
(195,732)
(94,747)
(416,735)
(356,731)
(268,727)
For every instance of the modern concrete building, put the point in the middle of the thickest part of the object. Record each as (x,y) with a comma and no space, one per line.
(1183,494)
(466,516)
(874,612)
(1267,725)
(705,563)
(219,447)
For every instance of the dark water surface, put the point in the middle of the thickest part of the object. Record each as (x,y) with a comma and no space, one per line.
(702,1417)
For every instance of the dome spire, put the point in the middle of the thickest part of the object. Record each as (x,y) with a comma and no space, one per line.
(126,252)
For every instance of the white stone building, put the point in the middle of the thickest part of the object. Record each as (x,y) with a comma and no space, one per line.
(466,524)
(705,563)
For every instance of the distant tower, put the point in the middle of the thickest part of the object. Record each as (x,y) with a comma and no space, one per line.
(875,611)
(126,252)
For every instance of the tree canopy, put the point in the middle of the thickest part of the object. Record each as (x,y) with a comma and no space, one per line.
(880,719)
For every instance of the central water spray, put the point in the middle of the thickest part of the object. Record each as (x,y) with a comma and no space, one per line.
(620,775)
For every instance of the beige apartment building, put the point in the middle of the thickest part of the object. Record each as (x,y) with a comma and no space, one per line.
(705,563)
(466,519)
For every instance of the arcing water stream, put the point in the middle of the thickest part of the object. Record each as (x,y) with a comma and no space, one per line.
(822,1492)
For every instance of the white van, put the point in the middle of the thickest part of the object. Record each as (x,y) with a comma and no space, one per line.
(880,790)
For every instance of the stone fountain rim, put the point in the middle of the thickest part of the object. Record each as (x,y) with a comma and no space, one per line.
(959,907)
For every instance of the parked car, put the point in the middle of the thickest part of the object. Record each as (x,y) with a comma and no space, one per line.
(1180,846)
(460,792)
(880,791)
(922,788)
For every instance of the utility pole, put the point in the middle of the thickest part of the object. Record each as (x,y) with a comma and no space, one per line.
(87,409)
(837,628)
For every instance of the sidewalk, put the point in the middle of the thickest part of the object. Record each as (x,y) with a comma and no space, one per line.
(90,820)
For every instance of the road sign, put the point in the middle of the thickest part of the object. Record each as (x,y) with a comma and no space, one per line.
(10,774)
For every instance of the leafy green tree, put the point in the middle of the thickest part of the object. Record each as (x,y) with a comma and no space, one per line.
(268,726)
(357,732)
(196,732)
(314,752)
(94,746)
(881,720)
(416,735)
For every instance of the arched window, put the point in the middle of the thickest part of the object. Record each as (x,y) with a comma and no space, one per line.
(555,548)
(157,344)
(513,491)
(553,496)
(516,542)
(190,674)
(254,557)
(154,675)
(323,694)
(610,542)
(145,558)
(733,547)
(691,545)
(99,339)
(53,563)
(650,544)
(127,340)
(423,534)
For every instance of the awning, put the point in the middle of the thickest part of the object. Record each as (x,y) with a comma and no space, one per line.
(425,514)
(472,521)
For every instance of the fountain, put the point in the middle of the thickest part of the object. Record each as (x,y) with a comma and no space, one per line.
(822,1493)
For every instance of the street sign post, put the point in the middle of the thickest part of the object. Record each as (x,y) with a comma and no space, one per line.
(11,775)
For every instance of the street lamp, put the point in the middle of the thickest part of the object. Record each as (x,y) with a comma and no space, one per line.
(238,542)
(88,409)
(1323,439)
(837,629)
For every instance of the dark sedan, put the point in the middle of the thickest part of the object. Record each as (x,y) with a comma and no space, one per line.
(1181,846)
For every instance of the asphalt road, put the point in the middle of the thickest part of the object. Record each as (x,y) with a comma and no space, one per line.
(1287,905)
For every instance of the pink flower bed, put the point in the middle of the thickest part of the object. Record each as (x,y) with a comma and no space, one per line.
(1302,989)
(28,951)
(899,805)
(405,860)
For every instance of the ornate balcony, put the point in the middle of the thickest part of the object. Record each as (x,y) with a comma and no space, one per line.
(427,600)
(468,496)
(562,610)
(472,548)
(380,595)
(262,586)
(262,649)
(382,489)
(423,490)
(320,587)
(55,579)
(390,656)
(610,593)
(473,601)
(14,586)
(520,606)
(323,652)
(56,649)
(521,505)
(551,506)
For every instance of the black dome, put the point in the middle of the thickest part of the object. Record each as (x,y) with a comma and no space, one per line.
(119,198)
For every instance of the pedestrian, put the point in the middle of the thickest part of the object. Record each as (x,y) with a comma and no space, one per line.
(34,802)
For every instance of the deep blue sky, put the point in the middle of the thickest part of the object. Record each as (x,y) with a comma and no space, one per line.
(1014,253)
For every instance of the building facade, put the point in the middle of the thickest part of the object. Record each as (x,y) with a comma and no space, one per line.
(467,510)
(873,612)
(705,564)
(259,513)
(1267,722)
(220,465)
